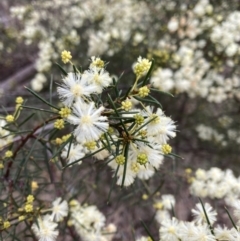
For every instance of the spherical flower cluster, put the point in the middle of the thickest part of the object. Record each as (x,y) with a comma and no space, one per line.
(66,56)
(208,133)
(144,91)
(9,118)
(59,210)
(216,183)
(45,227)
(127,105)
(90,125)
(163,206)
(73,154)
(8,154)
(19,100)
(201,228)
(75,87)
(141,67)
(89,222)
(65,112)
(59,124)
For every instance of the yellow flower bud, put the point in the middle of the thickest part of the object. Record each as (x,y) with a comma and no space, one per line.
(66,56)
(9,118)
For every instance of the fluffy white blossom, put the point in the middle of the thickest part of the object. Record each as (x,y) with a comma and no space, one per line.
(169,230)
(45,229)
(74,88)
(59,209)
(75,153)
(199,214)
(90,124)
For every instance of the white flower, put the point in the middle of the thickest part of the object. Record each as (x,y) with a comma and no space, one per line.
(223,234)
(169,230)
(162,215)
(163,79)
(145,172)
(75,153)
(93,218)
(168,201)
(75,87)
(202,233)
(200,216)
(154,156)
(199,188)
(44,229)
(99,78)
(216,174)
(59,209)
(90,124)
(236,206)
(188,230)
(129,176)
(88,221)
(159,125)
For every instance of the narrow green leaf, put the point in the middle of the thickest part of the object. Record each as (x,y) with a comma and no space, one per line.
(117,113)
(38,109)
(125,164)
(75,70)
(108,146)
(62,70)
(158,103)
(70,141)
(127,93)
(40,98)
(144,125)
(231,219)
(162,92)
(47,165)
(147,230)
(205,213)
(175,155)
(148,73)
(112,184)
(157,189)
(24,161)
(25,120)
(147,101)
(60,148)
(90,155)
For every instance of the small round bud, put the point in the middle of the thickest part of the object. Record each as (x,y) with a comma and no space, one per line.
(127,105)
(120,159)
(19,100)
(66,56)
(9,118)
(142,158)
(166,149)
(8,154)
(65,112)
(144,91)
(59,124)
